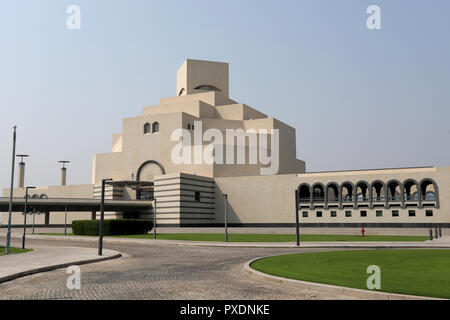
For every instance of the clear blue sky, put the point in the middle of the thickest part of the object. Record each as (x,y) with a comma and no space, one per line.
(358,98)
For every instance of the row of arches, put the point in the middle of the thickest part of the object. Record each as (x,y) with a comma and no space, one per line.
(363,192)
(35,196)
(151,128)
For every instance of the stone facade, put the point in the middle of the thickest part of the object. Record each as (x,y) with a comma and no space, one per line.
(192,193)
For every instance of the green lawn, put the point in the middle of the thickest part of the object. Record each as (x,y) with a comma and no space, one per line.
(13,250)
(416,272)
(217,237)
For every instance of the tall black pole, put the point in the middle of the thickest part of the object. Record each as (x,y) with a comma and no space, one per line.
(34,212)
(65,220)
(297,227)
(8,234)
(154,219)
(226,217)
(25,216)
(102,218)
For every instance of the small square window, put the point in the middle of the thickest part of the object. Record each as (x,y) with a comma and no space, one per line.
(348,214)
(319,214)
(379,213)
(197,196)
(429,213)
(412,213)
(363,213)
(333,214)
(305,214)
(395,213)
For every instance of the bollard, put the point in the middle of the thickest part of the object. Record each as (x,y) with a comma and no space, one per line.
(440,232)
(431,235)
(436,233)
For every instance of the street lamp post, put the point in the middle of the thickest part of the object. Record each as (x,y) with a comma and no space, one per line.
(25,216)
(102,217)
(65,220)
(8,233)
(154,220)
(226,217)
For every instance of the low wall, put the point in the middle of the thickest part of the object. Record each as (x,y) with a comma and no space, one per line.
(355,231)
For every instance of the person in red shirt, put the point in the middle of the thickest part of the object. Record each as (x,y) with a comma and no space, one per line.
(363,231)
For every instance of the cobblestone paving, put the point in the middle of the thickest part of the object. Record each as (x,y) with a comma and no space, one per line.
(159,272)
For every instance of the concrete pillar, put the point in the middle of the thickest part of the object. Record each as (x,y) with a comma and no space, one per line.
(63,176)
(47,218)
(21,175)
(419,196)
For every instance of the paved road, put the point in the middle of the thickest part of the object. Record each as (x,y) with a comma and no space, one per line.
(159,272)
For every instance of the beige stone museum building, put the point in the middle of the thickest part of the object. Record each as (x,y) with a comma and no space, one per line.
(159,155)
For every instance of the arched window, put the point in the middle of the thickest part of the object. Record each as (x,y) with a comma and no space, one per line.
(147,128)
(410,188)
(332,192)
(347,192)
(207,88)
(318,193)
(377,190)
(362,190)
(394,190)
(304,193)
(428,190)
(155,127)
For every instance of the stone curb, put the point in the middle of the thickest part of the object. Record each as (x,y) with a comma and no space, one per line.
(56,266)
(272,245)
(330,289)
